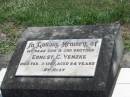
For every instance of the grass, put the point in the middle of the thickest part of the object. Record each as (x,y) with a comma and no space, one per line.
(126,36)
(60,12)
(64,12)
(12,32)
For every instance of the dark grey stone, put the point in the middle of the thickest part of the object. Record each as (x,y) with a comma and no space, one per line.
(0,95)
(98,86)
(126,60)
(4,60)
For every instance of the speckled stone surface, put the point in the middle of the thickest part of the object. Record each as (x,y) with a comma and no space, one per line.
(126,60)
(4,60)
(98,86)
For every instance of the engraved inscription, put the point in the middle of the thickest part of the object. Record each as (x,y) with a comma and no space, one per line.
(66,57)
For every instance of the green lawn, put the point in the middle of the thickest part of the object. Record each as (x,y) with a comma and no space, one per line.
(64,12)
(58,12)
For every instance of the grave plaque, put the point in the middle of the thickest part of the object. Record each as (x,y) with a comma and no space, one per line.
(64,61)
(68,57)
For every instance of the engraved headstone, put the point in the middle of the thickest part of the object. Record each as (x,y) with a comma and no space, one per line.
(68,57)
(67,61)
